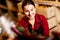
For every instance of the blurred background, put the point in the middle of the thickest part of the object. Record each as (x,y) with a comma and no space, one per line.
(49,8)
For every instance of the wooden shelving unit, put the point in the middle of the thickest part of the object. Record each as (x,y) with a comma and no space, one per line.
(48,2)
(52,3)
(9,6)
(2,6)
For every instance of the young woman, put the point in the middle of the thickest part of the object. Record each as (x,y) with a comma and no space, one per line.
(35,26)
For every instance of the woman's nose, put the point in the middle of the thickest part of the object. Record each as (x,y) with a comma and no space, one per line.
(30,13)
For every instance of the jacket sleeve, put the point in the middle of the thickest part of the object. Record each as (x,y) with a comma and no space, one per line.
(45,26)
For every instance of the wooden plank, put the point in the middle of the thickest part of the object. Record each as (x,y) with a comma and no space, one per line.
(52,3)
(2,6)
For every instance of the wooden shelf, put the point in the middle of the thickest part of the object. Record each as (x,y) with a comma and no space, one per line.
(51,3)
(2,6)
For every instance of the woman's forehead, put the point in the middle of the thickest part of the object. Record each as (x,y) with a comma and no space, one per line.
(30,6)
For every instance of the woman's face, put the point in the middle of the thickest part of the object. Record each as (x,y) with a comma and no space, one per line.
(30,11)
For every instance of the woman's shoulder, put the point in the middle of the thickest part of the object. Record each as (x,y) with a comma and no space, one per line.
(42,17)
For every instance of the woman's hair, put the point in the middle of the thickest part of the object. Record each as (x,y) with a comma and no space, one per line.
(27,2)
